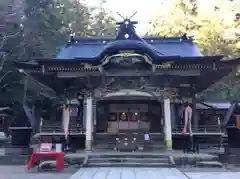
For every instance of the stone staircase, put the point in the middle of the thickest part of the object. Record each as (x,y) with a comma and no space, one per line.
(104,141)
(128,159)
(111,141)
(157,142)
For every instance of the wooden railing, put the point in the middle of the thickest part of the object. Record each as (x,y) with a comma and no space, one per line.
(201,129)
(59,129)
(178,129)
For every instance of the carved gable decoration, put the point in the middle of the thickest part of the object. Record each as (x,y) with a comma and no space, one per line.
(127,58)
(125,61)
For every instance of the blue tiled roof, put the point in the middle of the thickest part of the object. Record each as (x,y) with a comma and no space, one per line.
(153,46)
(214,105)
(184,49)
(80,51)
(167,47)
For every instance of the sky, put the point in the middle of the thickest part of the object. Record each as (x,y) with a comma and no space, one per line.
(149,9)
(145,9)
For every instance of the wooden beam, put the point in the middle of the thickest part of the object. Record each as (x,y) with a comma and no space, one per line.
(131,73)
(77,74)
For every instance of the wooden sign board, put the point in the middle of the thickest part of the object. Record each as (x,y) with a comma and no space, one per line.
(146,137)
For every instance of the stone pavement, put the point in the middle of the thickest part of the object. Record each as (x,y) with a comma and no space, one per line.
(214,175)
(149,173)
(20,172)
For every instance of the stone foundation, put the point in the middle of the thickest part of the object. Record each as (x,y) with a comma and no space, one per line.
(17,150)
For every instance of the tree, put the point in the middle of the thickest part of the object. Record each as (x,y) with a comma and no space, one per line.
(84,21)
(75,17)
(214,27)
(11,36)
(214,32)
(41,29)
(10,31)
(102,22)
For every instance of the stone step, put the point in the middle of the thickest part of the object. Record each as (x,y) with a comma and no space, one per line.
(153,142)
(129,164)
(210,164)
(124,155)
(112,147)
(146,146)
(106,138)
(114,136)
(124,160)
(137,142)
(108,141)
(14,160)
(233,159)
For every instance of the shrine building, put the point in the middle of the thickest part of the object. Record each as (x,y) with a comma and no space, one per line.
(127,85)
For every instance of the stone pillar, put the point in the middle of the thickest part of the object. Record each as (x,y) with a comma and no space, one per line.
(167,122)
(89,123)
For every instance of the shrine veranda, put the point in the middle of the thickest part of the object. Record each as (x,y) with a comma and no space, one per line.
(126,85)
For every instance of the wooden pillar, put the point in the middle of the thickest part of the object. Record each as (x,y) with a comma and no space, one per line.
(173,115)
(94,121)
(37,112)
(89,123)
(195,119)
(84,113)
(167,123)
(237,121)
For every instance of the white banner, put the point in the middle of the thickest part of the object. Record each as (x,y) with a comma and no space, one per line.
(187,120)
(66,121)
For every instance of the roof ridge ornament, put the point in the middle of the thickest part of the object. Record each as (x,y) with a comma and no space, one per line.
(71,39)
(127,28)
(186,36)
(123,18)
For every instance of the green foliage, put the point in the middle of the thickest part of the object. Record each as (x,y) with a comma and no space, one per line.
(75,16)
(215,29)
(102,22)
(42,29)
(38,28)
(213,25)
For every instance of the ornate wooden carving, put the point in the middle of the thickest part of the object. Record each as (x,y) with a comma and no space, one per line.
(126,58)
(141,84)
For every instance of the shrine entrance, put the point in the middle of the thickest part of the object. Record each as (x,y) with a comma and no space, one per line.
(125,119)
(128,117)
(133,112)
